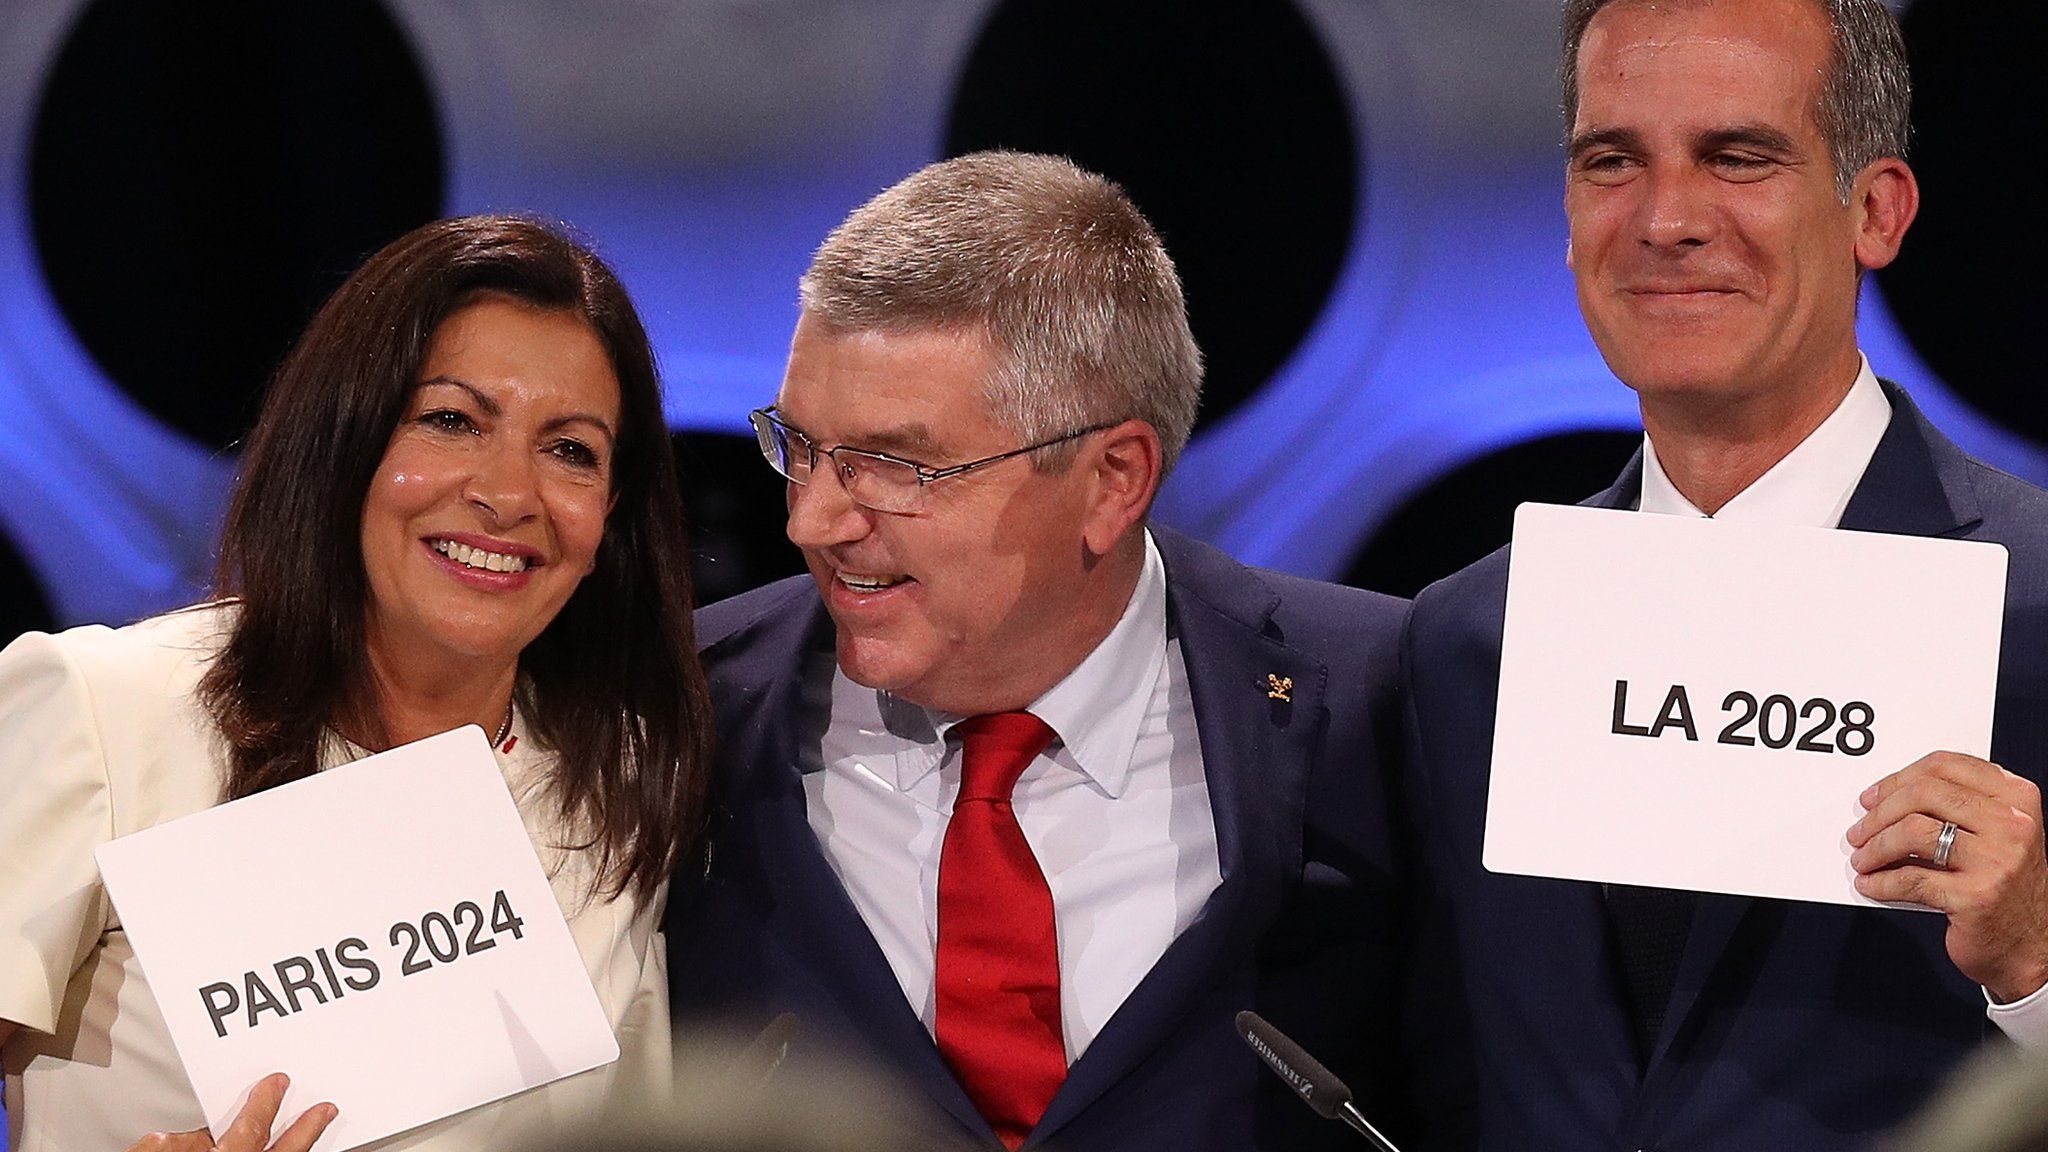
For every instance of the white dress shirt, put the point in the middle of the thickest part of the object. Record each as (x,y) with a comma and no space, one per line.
(1811,486)
(1116,811)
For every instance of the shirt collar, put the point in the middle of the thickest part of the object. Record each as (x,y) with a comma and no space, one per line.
(1812,484)
(1095,711)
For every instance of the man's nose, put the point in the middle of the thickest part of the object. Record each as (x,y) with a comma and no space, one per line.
(822,513)
(1678,210)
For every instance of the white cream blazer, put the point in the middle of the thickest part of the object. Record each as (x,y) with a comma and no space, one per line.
(101,735)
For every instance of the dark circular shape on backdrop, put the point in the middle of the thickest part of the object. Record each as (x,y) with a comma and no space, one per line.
(23,607)
(203,174)
(1228,126)
(734,502)
(1462,516)
(1969,298)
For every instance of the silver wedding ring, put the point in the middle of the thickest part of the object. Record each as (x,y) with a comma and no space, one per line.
(1944,844)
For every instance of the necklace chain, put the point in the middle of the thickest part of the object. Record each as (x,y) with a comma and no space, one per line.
(504,729)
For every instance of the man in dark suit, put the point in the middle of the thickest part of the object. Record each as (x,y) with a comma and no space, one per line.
(1020,798)
(1734,167)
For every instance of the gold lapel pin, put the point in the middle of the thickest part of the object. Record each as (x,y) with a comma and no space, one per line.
(1279,687)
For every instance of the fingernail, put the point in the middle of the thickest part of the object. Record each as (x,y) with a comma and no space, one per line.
(1869,796)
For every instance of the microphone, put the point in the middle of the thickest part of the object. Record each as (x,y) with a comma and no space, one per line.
(1310,1080)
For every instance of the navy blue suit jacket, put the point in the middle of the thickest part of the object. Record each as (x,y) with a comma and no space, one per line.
(1304,928)
(1791,1025)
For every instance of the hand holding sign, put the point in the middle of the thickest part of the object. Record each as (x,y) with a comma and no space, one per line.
(1697,704)
(412,961)
(1994,887)
(250,1131)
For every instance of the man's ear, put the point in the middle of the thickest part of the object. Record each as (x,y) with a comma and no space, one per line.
(1126,464)
(1885,199)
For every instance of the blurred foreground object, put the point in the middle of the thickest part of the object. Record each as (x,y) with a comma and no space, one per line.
(733,1095)
(1998,1103)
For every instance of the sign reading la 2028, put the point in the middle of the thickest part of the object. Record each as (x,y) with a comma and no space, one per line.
(1775,721)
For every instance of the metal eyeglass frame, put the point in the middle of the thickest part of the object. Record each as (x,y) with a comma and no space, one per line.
(763,419)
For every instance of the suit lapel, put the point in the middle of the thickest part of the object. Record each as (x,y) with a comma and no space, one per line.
(1627,490)
(1916,485)
(1255,757)
(819,919)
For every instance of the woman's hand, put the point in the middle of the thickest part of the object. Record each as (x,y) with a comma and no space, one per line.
(251,1130)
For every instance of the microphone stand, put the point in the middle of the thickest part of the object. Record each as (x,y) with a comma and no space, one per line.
(1349,1114)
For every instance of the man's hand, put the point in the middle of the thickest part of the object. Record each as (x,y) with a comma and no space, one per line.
(1995,888)
(250,1131)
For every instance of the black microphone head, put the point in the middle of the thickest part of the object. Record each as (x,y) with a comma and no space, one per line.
(1310,1080)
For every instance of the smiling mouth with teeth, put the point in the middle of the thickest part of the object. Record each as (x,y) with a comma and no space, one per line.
(469,557)
(870,583)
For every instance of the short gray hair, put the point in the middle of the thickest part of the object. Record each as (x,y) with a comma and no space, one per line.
(1052,265)
(1866,96)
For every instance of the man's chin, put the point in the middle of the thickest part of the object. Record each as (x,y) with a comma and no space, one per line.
(881,664)
(1682,379)
(1668,389)
(1702,362)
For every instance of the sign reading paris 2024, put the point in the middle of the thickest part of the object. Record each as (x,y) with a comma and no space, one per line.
(382,932)
(1697,704)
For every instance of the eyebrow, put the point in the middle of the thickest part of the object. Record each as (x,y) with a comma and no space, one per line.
(912,438)
(494,410)
(1762,137)
(1585,142)
(490,406)
(1759,136)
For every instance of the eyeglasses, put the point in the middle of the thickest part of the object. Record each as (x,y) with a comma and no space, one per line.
(874,480)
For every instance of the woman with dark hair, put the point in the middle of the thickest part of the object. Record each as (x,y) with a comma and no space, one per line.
(457,507)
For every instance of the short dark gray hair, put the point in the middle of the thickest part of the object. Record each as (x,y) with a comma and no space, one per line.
(1865,107)
(1052,265)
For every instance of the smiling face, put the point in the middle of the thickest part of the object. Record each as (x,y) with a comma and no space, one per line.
(1714,259)
(991,592)
(490,502)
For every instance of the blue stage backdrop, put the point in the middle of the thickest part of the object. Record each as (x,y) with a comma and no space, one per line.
(1363,195)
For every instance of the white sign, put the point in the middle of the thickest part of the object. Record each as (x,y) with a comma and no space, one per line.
(1687,703)
(382,932)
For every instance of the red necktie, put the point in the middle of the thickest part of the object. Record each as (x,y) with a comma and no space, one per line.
(998,980)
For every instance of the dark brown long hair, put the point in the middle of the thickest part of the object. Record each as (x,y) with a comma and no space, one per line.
(612,685)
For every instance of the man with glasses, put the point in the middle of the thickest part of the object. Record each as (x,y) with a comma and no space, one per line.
(1023,799)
